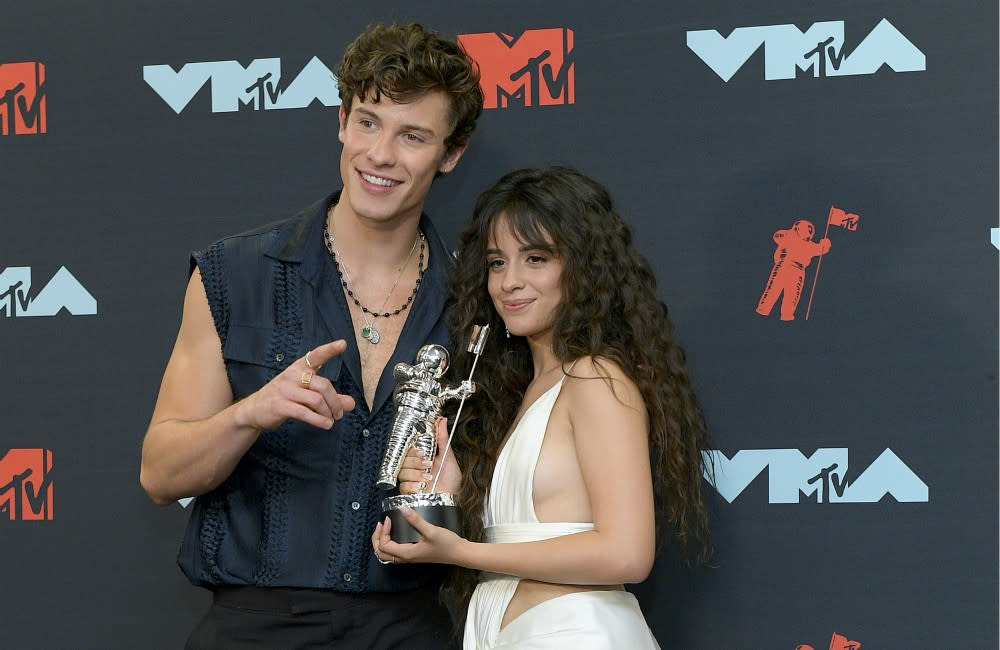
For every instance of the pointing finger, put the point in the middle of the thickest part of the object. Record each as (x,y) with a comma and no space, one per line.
(323,353)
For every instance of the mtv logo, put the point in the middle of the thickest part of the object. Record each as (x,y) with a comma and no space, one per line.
(62,292)
(533,69)
(26,485)
(22,98)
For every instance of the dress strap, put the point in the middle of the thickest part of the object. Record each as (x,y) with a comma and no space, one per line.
(533,532)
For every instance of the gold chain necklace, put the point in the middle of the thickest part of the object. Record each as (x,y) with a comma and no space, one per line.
(368,331)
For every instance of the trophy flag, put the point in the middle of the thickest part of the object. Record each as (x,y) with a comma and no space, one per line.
(476,344)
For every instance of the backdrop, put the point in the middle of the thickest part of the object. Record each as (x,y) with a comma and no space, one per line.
(850,389)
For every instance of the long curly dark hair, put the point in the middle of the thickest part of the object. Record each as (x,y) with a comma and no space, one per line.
(609,310)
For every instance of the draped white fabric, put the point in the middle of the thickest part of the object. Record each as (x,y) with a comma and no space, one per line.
(588,620)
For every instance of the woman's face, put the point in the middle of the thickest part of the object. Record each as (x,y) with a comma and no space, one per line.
(524,281)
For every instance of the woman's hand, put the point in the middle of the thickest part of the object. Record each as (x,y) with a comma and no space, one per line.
(437,545)
(417,473)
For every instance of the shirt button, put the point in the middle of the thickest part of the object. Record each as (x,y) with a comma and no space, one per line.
(355,505)
(279,357)
(347,577)
(366,433)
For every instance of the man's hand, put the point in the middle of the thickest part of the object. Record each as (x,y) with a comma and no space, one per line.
(197,434)
(298,393)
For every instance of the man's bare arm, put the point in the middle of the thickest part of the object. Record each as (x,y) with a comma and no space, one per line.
(197,434)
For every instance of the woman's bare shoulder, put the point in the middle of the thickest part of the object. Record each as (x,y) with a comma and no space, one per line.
(596,381)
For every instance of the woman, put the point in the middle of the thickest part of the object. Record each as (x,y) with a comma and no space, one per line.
(580,395)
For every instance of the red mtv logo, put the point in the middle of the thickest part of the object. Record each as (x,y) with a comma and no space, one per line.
(26,485)
(22,98)
(533,69)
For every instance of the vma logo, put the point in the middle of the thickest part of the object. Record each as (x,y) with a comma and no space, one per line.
(258,87)
(819,49)
(22,98)
(533,69)
(26,485)
(823,475)
(62,292)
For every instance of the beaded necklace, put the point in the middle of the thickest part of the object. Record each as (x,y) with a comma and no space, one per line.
(368,331)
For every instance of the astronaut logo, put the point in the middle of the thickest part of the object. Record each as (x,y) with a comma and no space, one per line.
(795,249)
(838,642)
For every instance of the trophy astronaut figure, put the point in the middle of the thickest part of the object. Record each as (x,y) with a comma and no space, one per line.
(418,396)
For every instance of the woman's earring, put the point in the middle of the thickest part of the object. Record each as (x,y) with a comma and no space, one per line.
(506,330)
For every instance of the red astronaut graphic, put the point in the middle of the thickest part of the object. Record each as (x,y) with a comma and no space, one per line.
(795,249)
(838,642)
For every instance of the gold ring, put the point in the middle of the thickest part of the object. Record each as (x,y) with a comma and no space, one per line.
(306,378)
(309,363)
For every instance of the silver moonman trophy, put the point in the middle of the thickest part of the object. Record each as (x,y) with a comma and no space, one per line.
(418,397)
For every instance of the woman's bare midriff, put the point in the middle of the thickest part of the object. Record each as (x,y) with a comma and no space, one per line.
(532,592)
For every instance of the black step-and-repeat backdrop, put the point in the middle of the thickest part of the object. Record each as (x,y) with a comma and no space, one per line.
(815,183)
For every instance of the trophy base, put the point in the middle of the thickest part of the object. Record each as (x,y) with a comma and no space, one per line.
(438,509)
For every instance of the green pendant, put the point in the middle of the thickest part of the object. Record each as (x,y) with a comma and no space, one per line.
(366,332)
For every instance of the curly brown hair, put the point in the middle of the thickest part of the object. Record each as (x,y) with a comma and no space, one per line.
(609,310)
(404,62)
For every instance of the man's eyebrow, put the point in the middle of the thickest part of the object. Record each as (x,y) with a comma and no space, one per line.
(419,128)
(405,127)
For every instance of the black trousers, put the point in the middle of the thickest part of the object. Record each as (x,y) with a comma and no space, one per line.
(244,618)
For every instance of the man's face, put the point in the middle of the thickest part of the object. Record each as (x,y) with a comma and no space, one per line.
(391,153)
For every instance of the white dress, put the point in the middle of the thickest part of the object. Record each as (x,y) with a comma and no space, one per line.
(585,620)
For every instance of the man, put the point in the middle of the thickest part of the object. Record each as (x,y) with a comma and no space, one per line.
(274,408)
